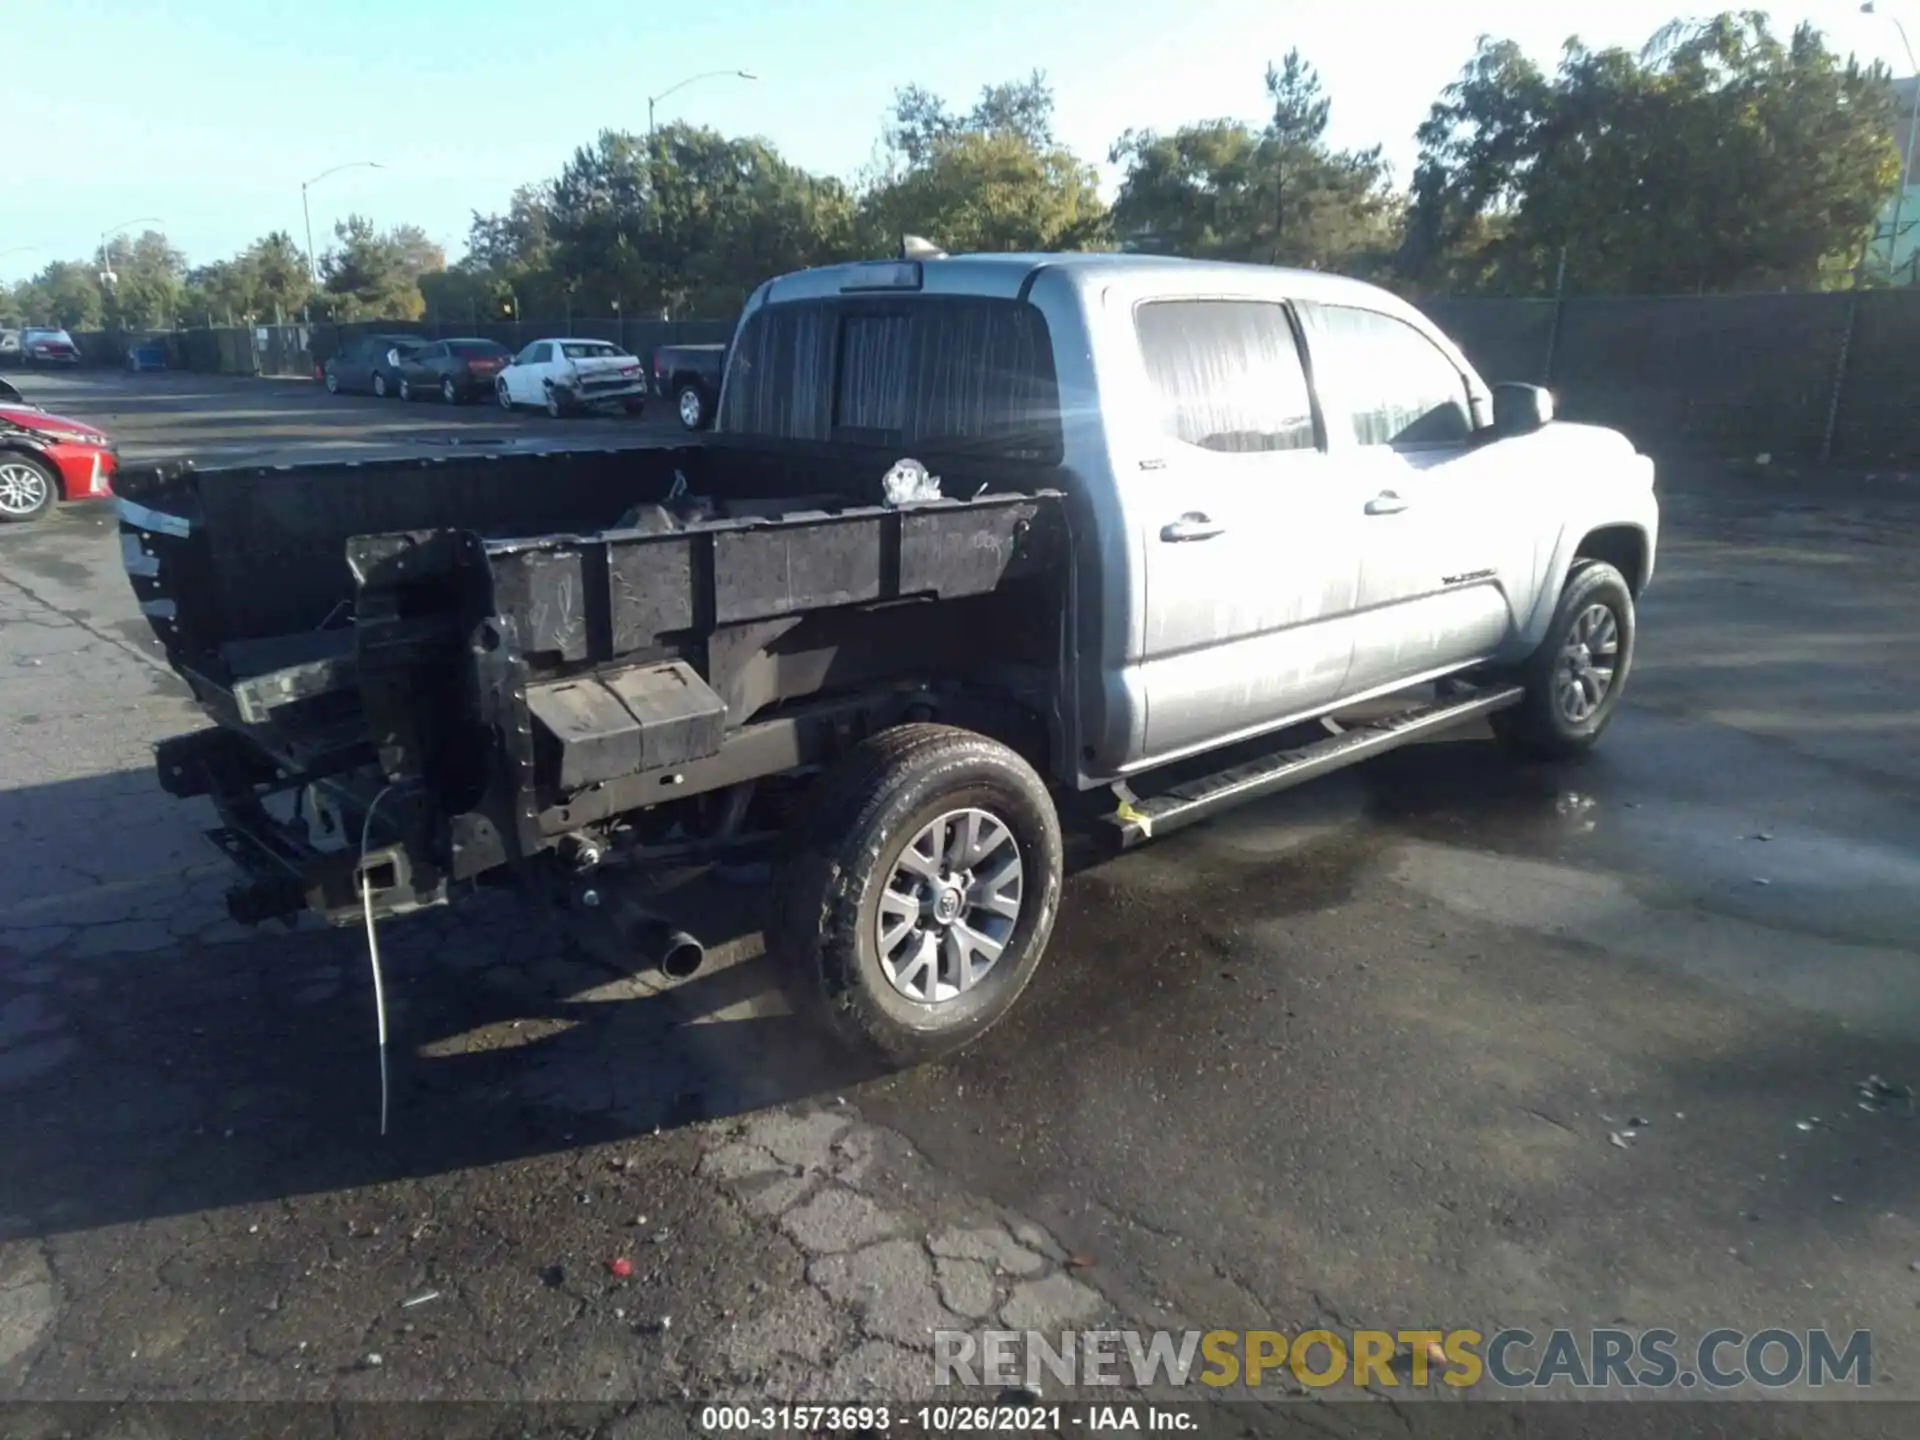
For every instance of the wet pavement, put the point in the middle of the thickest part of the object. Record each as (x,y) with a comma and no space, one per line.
(1443,1041)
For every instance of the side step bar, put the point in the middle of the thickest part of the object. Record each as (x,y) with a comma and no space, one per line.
(1141,820)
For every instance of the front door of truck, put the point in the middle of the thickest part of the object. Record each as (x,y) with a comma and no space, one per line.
(1446,535)
(1248,535)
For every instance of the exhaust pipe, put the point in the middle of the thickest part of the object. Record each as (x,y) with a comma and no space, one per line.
(677,954)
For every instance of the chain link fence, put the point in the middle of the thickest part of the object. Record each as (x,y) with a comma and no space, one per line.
(1795,376)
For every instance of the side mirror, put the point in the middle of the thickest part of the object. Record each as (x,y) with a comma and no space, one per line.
(1521,409)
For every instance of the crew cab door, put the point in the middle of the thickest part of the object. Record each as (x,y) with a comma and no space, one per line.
(1247,529)
(1446,544)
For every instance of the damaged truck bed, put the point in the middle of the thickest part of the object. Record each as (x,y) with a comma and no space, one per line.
(431,672)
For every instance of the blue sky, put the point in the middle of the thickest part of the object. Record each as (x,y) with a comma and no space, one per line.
(209,113)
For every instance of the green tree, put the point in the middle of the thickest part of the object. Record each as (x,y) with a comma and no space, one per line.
(65,293)
(375,275)
(144,277)
(265,282)
(1719,157)
(992,179)
(277,271)
(1279,195)
(216,294)
(689,223)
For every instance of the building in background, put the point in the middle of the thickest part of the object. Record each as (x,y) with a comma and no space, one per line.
(1902,209)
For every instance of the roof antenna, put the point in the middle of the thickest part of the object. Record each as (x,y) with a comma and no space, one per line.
(915,247)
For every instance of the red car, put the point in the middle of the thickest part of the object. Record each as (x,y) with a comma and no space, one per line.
(44,458)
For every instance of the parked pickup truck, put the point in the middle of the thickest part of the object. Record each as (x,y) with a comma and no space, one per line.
(691,375)
(1201,532)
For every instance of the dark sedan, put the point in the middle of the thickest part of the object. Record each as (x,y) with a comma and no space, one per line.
(455,370)
(371,362)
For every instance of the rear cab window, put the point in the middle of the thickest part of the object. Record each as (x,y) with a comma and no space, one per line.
(927,371)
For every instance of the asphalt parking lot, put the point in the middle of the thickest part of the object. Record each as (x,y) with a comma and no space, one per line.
(1443,1041)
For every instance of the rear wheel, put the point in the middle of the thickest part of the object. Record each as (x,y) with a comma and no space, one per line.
(502,394)
(1575,679)
(556,406)
(692,406)
(921,893)
(333,383)
(449,391)
(27,488)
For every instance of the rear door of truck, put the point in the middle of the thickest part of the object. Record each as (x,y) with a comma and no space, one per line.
(1247,531)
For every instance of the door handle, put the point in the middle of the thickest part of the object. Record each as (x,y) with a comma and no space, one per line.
(1191,526)
(1387,502)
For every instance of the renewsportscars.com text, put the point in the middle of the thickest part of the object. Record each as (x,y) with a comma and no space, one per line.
(1601,1359)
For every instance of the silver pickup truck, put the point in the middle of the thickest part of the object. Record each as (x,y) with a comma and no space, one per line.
(1178,534)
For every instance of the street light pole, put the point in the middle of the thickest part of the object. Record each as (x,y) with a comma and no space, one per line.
(653,100)
(653,179)
(1913,125)
(106,269)
(306,211)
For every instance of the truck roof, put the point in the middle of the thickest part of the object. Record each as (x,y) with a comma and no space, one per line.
(1005,275)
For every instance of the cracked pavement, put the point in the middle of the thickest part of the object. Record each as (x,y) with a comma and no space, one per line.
(1350,1057)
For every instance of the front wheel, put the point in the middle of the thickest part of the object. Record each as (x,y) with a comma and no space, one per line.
(921,892)
(556,407)
(333,383)
(449,391)
(379,385)
(406,388)
(1575,679)
(503,394)
(26,488)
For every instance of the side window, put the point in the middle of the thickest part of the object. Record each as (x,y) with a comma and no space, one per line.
(1403,389)
(1229,372)
(541,354)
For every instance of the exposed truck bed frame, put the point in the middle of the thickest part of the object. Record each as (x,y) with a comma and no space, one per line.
(480,701)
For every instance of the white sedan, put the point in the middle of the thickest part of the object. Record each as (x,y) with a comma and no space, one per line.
(568,374)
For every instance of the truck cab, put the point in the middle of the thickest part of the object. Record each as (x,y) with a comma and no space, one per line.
(1290,491)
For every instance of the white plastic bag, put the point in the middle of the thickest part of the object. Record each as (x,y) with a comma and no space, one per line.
(908,482)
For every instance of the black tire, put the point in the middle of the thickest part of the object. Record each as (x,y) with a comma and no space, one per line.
(824,934)
(556,403)
(406,388)
(379,385)
(449,391)
(690,403)
(20,508)
(1543,726)
(333,383)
